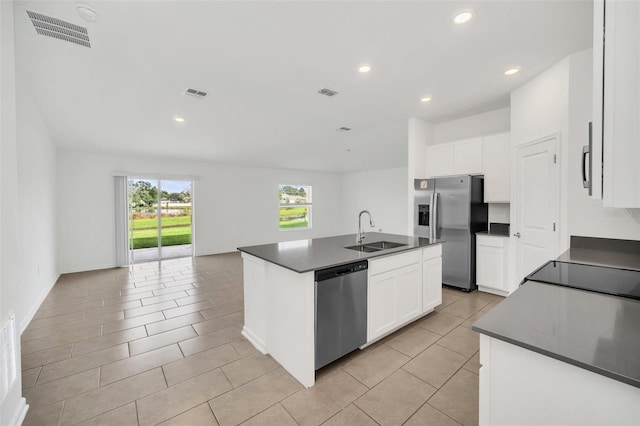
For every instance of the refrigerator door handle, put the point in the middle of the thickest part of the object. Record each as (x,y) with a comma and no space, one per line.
(435,216)
(431,217)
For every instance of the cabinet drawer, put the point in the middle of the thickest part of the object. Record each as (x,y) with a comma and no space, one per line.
(498,242)
(432,252)
(395,261)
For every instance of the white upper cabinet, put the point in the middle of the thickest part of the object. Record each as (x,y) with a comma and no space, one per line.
(440,160)
(467,157)
(497,168)
(616,114)
(455,158)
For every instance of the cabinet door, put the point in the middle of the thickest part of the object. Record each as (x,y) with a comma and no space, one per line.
(497,168)
(440,160)
(467,157)
(409,292)
(381,310)
(491,263)
(431,284)
(621,106)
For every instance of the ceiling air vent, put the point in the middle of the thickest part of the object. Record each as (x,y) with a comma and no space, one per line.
(343,129)
(327,92)
(57,28)
(195,93)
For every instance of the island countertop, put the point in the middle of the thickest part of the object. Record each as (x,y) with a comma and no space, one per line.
(320,253)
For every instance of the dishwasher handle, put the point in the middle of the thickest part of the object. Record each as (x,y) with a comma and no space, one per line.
(338,271)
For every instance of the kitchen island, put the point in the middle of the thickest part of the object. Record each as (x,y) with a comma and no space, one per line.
(556,355)
(404,283)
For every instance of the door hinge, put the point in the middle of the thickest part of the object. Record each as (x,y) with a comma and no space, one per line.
(554,227)
(555,159)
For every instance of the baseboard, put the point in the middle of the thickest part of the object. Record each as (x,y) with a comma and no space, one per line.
(32,312)
(254,340)
(89,268)
(18,417)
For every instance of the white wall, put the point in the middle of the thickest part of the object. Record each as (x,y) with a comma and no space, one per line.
(234,206)
(488,123)
(37,206)
(13,407)
(383,193)
(587,216)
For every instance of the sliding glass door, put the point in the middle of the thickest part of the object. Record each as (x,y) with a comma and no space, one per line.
(160,213)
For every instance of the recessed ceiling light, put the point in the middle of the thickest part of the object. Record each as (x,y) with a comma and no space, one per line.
(512,71)
(178,119)
(463,17)
(425,99)
(364,68)
(86,13)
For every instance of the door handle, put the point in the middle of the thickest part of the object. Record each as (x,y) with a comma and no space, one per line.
(517,235)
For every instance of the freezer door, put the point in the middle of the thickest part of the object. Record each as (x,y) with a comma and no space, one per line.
(423,212)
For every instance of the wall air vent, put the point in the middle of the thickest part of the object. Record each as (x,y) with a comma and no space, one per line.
(195,93)
(343,129)
(57,28)
(327,92)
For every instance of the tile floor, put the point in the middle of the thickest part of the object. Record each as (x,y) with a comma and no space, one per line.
(160,343)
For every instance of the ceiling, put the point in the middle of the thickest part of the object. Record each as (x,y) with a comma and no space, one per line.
(262,64)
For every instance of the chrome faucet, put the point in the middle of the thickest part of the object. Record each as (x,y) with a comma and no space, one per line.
(360,231)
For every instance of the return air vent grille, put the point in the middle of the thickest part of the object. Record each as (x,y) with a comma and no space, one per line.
(8,346)
(195,93)
(57,28)
(327,92)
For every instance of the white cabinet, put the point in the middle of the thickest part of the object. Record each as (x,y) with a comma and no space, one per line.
(492,264)
(431,278)
(616,103)
(467,157)
(497,168)
(522,387)
(394,292)
(455,158)
(440,160)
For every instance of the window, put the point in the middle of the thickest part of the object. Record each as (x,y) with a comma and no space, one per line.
(295,206)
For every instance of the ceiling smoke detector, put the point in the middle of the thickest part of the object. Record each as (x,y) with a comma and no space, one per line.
(200,94)
(57,28)
(86,13)
(343,129)
(327,92)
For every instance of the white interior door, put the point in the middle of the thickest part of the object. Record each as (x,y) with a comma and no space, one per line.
(536,195)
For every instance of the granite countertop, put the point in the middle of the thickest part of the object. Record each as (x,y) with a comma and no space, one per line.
(319,253)
(590,330)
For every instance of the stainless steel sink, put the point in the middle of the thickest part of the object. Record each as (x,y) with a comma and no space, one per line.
(376,246)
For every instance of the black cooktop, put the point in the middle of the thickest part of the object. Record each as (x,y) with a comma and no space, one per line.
(600,279)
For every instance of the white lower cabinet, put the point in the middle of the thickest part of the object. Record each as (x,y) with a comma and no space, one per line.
(492,261)
(431,277)
(401,288)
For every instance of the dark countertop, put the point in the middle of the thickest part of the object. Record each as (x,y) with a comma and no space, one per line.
(590,330)
(493,234)
(319,253)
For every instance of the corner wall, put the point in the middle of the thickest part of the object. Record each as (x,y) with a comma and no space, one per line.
(233,205)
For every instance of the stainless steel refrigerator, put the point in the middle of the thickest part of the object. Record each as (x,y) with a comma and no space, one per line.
(452,209)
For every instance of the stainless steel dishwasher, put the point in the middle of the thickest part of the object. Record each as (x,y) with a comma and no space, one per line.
(341,311)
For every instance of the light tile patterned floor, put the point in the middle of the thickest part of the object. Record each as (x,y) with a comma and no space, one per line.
(160,343)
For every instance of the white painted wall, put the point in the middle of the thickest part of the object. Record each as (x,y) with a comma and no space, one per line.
(37,206)
(488,123)
(234,206)
(587,216)
(559,100)
(13,406)
(383,193)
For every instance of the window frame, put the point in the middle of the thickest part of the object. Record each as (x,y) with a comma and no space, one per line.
(309,205)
